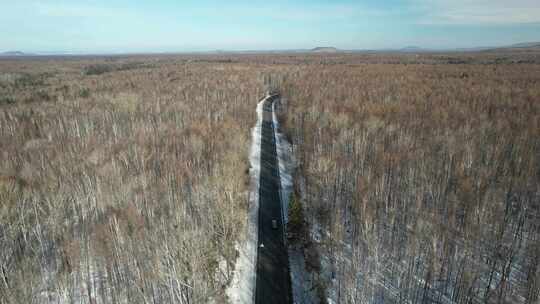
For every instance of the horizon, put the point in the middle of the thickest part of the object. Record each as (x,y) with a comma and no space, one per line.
(243,51)
(121,27)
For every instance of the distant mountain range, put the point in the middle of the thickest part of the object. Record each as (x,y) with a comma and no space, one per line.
(518,47)
(525,45)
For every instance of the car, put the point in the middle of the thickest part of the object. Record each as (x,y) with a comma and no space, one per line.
(274,224)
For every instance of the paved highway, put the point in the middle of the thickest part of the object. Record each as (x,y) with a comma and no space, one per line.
(273,279)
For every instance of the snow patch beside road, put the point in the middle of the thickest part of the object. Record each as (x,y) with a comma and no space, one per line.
(286,165)
(301,283)
(242,287)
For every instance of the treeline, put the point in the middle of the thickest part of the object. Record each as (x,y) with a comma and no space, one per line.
(422,185)
(134,192)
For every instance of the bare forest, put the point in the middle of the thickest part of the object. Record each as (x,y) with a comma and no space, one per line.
(124,179)
(420,183)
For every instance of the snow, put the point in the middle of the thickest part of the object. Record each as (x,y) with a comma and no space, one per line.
(242,287)
(286,165)
(302,284)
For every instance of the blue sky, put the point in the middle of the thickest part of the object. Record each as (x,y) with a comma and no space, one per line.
(91,26)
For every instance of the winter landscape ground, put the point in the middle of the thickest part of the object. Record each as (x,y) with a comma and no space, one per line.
(403,177)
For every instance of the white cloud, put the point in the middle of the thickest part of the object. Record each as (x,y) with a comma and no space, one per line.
(489,12)
(291,12)
(69,10)
(324,12)
(78,10)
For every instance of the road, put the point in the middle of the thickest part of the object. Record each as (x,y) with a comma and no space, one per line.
(273,279)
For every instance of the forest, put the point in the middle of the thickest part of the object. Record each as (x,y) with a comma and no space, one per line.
(123,179)
(122,185)
(420,183)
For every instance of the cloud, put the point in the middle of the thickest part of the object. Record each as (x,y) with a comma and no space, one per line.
(69,10)
(325,12)
(77,10)
(482,12)
(290,12)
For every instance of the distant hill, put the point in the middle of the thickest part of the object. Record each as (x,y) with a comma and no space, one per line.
(13,53)
(518,47)
(412,49)
(525,45)
(325,49)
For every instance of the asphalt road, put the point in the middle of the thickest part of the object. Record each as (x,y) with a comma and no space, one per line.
(273,279)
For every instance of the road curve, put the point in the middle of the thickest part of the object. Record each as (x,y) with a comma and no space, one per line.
(273,280)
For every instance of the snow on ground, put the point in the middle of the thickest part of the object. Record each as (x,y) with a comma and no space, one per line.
(302,285)
(286,165)
(242,287)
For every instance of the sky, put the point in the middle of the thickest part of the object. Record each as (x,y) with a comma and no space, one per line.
(119,26)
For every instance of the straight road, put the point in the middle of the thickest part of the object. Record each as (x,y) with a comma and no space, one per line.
(273,279)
